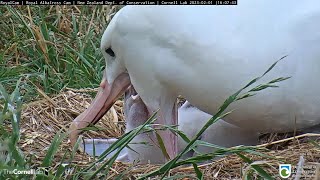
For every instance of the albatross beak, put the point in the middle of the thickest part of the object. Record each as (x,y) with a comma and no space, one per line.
(105,98)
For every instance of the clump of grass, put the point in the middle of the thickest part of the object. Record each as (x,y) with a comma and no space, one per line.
(12,159)
(45,50)
(52,47)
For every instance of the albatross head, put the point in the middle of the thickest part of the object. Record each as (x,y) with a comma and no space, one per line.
(114,83)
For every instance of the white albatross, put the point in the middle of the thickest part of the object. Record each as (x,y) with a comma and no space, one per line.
(205,54)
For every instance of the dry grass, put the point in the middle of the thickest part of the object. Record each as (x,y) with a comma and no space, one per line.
(42,119)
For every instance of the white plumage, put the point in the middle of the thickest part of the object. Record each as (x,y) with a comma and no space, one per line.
(206,53)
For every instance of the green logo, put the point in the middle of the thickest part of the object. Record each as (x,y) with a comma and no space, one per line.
(285,170)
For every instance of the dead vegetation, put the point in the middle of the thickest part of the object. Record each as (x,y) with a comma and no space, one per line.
(42,119)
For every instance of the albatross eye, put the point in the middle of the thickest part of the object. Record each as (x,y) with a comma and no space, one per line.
(110,52)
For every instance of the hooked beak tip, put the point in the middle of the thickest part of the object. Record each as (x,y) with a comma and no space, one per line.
(74,132)
(103,83)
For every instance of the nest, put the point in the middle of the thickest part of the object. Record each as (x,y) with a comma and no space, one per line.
(42,119)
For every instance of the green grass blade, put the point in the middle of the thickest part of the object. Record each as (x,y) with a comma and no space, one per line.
(58,138)
(197,171)
(257,168)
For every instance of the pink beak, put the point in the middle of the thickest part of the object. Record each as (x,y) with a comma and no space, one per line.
(105,98)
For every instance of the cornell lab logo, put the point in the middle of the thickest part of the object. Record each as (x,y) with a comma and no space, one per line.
(285,170)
